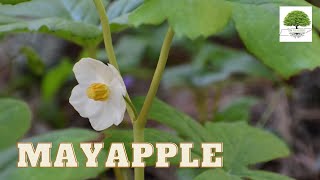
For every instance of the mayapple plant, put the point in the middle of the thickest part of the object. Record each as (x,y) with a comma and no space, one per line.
(101,95)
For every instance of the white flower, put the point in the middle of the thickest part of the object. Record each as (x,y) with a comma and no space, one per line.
(99,94)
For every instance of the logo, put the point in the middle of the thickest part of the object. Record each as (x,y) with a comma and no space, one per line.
(295,24)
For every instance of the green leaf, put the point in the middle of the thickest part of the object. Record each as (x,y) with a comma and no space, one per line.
(68,30)
(316,17)
(237,110)
(119,11)
(55,78)
(245,145)
(258,26)
(72,20)
(165,114)
(15,121)
(8,159)
(151,136)
(216,174)
(192,18)
(12,1)
(187,173)
(256,22)
(130,51)
(263,175)
(7,20)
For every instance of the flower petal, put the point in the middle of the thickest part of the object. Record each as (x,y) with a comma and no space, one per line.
(88,71)
(122,110)
(118,102)
(85,106)
(111,114)
(103,120)
(117,81)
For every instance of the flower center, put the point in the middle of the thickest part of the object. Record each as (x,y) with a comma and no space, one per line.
(98,92)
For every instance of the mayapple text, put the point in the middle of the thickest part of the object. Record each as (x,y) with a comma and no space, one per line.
(117,156)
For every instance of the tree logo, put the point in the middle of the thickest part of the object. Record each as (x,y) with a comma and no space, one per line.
(296,24)
(297,18)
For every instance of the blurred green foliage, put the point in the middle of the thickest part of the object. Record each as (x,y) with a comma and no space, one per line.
(15,121)
(55,78)
(34,62)
(214,64)
(237,110)
(243,145)
(204,64)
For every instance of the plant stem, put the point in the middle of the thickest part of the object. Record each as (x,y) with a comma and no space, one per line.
(156,77)
(217,98)
(131,105)
(139,124)
(118,174)
(92,51)
(106,33)
(109,47)
(202,104)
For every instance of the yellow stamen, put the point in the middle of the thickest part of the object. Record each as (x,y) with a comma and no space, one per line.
(98,92)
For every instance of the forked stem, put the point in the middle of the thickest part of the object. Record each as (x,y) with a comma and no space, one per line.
(106,33)
(139,124)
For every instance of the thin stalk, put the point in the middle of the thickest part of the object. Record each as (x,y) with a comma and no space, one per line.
(202,104)
(217,98)
(131,105)
(106,33)
(92,51)
(139,124)
(109,47)
(118,174)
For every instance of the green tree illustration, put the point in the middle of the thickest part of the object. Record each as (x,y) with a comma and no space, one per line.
(297,18)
